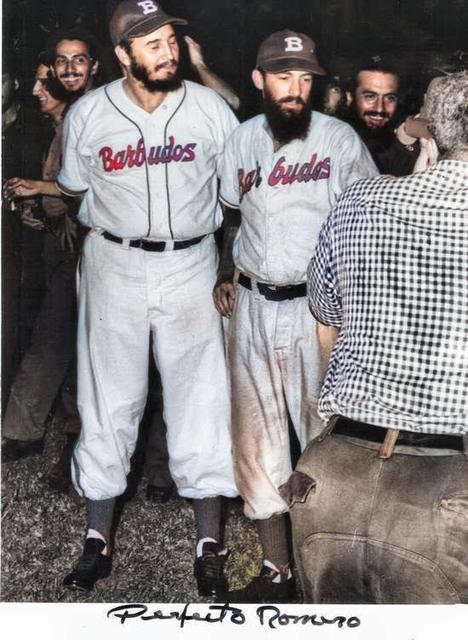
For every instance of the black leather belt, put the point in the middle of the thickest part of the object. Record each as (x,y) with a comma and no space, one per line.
(150,245)
(364,431)
(272,292)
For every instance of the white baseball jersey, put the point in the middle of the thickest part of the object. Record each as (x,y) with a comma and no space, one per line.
(286,195)
(155,175)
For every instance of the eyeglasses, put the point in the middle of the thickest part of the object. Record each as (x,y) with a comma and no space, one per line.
(79,60)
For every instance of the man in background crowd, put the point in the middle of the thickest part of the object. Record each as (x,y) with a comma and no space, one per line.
(45,377)
(23,138)
(375,115)
(74,60)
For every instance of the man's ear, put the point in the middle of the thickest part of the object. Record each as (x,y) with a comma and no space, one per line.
(95,68)
(258,79)
(122,56)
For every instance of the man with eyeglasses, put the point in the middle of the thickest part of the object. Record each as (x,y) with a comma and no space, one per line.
(74,59)
(45,377)
(71,55)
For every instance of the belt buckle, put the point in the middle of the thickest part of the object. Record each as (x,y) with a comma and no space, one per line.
(288,290)
(270,291)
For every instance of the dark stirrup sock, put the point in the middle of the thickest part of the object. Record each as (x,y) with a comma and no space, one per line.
(100,515)
(208,517)
(272,534)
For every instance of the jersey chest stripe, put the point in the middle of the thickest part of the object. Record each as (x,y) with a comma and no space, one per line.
(166,166)
(146,161)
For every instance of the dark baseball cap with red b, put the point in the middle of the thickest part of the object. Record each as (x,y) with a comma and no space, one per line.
(136,18)
(286,51)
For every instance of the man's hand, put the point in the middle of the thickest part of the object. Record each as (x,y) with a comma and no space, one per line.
(21,188)
(28,219)
(195,52)
(66,232)
(427,156)
(224,296)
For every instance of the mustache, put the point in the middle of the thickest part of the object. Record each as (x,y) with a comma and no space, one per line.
(164,65)
(289,99)
(377,114)
(71,74)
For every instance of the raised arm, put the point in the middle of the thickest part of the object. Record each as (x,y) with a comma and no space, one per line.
(208,77)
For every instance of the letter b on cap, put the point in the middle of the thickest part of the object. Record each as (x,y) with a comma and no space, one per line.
(148,6)
(293,43)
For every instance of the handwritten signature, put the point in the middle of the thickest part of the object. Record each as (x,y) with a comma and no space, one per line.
(267,615)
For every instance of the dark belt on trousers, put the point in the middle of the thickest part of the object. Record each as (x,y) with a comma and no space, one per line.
(364,431)
(150,245)
(272,292)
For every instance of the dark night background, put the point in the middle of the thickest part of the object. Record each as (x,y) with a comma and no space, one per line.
(416,32)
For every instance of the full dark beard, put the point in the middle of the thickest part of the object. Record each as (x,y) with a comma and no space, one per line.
(376,140)
(165,86)
(58,91)
(286,125)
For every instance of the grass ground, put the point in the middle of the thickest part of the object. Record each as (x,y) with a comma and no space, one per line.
(42,535)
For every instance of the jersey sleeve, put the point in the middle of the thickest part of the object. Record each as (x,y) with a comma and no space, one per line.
(73,179)
(229,185)
(322,287)
(355,161)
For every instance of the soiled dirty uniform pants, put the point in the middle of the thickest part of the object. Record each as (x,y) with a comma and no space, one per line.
(384,531)
(274,367)
(124,294)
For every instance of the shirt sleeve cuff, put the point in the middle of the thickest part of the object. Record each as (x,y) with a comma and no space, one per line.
(70,192)
(227,203)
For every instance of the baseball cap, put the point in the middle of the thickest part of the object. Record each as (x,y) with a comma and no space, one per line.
(286,50)
(135,18)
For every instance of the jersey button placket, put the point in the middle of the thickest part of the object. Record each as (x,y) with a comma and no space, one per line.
(268,152)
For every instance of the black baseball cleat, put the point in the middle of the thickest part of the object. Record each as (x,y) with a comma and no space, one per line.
(157,494)
(16,449)
(209,571)
(91,566)
(262,589)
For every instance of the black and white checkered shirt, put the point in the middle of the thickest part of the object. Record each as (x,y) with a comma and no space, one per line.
(391,270)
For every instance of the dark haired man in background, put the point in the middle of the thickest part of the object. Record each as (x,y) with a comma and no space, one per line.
(42,377)
(375,114)
(74,59)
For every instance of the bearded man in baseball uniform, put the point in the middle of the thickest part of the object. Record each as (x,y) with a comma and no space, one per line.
(284,170)
(145,153)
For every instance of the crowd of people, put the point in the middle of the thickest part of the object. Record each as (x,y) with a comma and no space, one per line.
(303,270)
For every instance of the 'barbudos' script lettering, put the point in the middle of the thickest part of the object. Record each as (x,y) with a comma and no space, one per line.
(284,174)
(139,155)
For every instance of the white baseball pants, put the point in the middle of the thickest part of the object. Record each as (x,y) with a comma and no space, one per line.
(274,365)
(124,294)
